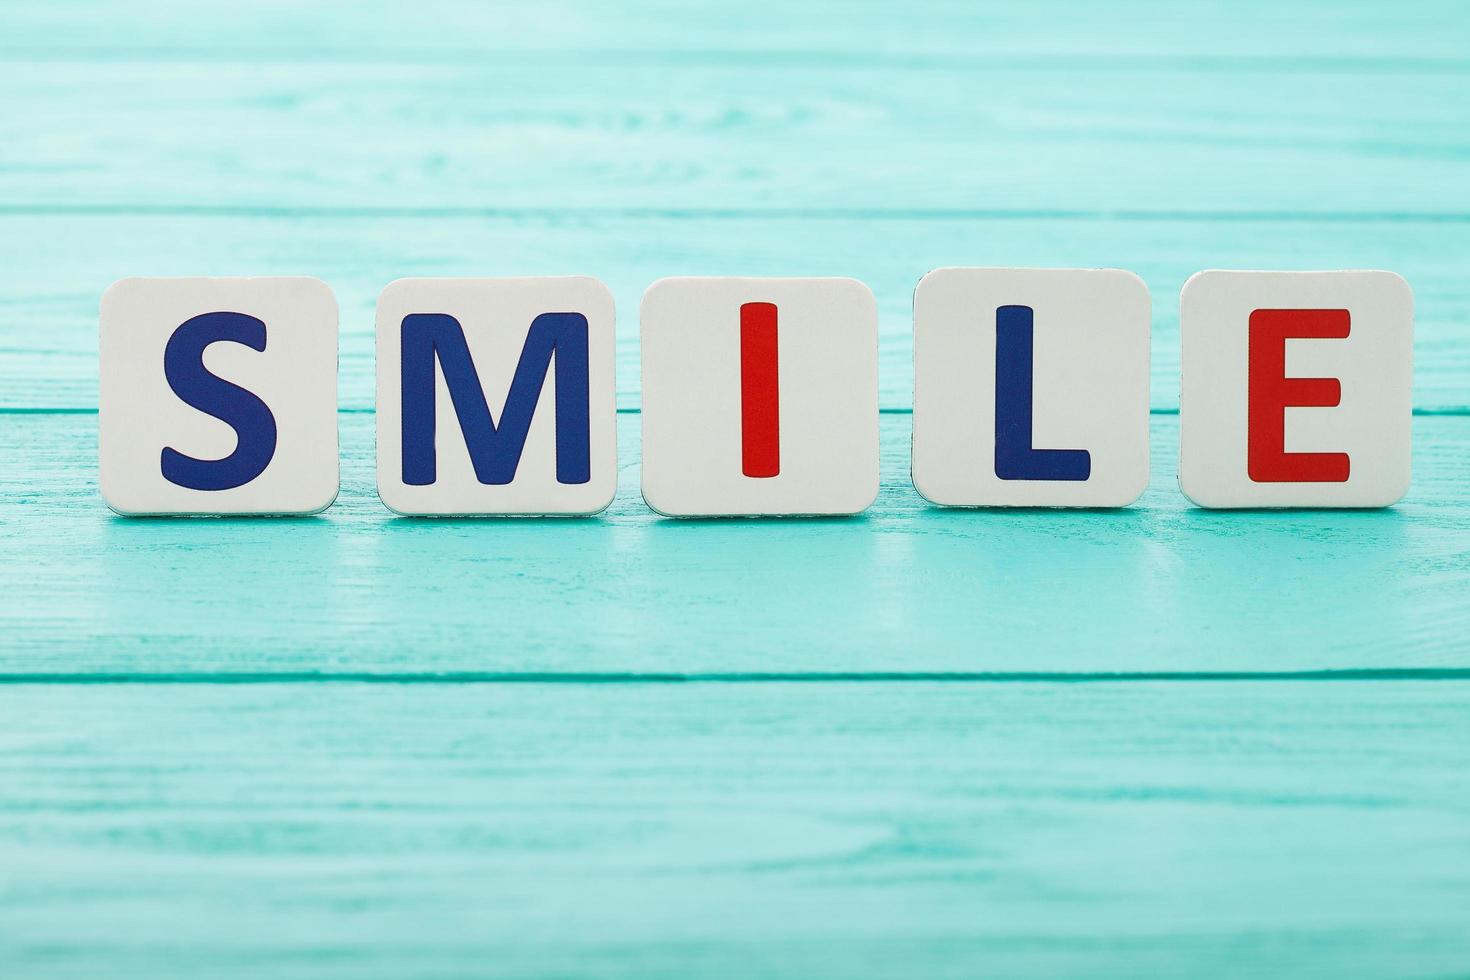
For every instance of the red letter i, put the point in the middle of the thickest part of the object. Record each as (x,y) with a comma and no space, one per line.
(760,396)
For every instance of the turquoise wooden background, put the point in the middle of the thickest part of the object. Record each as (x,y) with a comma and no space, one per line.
(916,743)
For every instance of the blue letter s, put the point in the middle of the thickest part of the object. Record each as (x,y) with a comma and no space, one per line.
(254,425)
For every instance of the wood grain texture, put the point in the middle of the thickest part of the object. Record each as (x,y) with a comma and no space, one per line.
(524,781)
(907,587)
(543,131)
(1244,830)
(938,107)
(636,141)
(60,264)
(1409,36)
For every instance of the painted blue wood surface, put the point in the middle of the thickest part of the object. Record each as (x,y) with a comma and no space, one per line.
(51,350)
(185,790)
(795,830)
(907,587)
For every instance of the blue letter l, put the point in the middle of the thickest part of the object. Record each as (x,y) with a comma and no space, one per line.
(1014,457)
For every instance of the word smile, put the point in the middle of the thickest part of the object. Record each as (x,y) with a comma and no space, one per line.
(496,396)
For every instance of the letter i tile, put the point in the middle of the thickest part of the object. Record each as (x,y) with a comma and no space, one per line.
(760,397)
(1296,389)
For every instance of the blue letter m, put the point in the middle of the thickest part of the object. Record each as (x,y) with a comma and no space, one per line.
(495,450)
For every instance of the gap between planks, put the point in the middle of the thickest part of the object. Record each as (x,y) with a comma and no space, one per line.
(862,60)
(45,209)
(745,677)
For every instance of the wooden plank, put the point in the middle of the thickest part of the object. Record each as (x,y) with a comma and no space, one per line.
(1246,30)
(428,824)
(907,587)
(652,105)
(564,132)
(951,830)
(57,267)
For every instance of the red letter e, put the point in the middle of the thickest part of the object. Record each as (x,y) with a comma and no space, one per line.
(1272,393)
